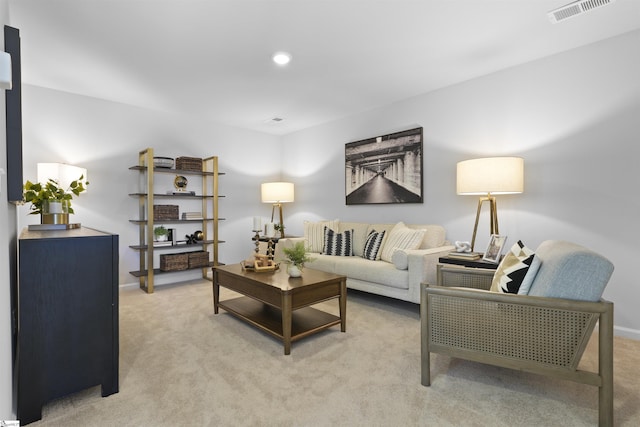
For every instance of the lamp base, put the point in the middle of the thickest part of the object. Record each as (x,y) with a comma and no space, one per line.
(281,224)
(493,217)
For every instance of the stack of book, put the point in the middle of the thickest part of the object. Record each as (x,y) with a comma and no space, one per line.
(191,215)
(470,256)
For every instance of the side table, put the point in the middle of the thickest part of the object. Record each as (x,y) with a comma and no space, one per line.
(465,273)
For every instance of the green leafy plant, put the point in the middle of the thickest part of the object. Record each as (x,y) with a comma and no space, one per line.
(160,231)
(38,193)
(278,227)
(297,255)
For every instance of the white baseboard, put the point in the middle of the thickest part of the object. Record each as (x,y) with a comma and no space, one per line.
(129,285)
(620,331)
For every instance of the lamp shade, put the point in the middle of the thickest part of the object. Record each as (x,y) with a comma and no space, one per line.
(277,192)
(63,174)
(492,175)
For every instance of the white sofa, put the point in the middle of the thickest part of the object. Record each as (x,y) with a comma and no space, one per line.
(399,276)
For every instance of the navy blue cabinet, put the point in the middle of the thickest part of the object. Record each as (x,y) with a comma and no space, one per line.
(67,310)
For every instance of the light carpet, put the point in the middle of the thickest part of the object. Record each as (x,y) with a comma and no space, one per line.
(181,365)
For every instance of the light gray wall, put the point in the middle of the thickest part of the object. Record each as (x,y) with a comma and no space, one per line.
(574,117)
(106,137)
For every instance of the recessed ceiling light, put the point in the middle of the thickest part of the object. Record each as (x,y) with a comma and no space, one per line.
(281,58)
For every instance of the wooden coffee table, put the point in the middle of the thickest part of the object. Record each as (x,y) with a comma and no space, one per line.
(280,305)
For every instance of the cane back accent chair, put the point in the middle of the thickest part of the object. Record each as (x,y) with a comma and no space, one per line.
(544,332)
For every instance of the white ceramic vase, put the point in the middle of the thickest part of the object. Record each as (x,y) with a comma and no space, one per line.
(294,271)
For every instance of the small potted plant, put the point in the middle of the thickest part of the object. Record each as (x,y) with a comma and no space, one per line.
(52,202)
(296,257)
(161,233)
(279,228)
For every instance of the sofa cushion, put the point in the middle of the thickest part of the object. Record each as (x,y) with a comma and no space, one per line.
(400,259)
(401,237)
(514,268)
(373,244)
(338,244)
(358,268)
(359,235)
(570,271)
(434,236)
(314,234)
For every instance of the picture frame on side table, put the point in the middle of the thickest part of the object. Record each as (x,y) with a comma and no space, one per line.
(494,249)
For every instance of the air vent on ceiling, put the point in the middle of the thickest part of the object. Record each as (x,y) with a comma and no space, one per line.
(273,120)
(576,8)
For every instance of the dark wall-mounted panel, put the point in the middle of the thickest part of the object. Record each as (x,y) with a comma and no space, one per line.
(13,99)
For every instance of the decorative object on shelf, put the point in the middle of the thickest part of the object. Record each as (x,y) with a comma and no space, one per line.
(198,235)
(192,216)
(52,201)
(193,164)
(165,212)
(391,162)
(198,259)
(277,193)
(296,258)
(487,177)
(161,233)
(494,249)
(180,182)
(174,262)
(163,162)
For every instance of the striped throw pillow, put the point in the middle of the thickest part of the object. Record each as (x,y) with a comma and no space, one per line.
(372,245)
(338,244)
(401,237)
(314,234)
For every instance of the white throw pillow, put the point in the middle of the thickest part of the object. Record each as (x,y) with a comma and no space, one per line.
(401,237)
(400,259)
(314,234)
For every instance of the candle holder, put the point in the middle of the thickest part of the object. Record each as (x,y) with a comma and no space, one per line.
(257,239)
(271,248)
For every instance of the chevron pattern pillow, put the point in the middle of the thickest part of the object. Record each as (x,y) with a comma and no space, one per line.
(338,244)
(517,267)
(372,245)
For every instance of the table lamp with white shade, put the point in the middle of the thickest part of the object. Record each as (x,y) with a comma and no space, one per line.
(488,177)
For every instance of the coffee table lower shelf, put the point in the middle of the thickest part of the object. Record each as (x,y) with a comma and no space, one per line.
(304,321)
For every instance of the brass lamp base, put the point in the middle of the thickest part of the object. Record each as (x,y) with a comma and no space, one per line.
(279,205)
(493,217)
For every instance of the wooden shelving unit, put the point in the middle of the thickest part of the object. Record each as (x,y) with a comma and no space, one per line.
(145,221)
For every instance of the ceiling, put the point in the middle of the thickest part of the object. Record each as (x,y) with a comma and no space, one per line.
(212,58)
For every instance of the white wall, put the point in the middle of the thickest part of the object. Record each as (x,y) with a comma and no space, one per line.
(105,137)
(574,117)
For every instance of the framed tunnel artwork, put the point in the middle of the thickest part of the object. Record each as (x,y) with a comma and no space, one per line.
(384,169)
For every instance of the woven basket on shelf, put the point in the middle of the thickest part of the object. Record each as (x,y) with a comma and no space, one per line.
(174,262)
(198,259)
(165,212)
(189,164)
